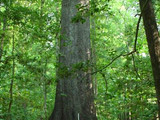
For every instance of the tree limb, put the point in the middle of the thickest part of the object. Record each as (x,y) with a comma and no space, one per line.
(135,43)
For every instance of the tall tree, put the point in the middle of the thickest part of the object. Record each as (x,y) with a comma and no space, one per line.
(153,40)
(74,94)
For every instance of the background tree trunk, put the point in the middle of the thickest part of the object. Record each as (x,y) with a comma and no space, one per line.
(13,77)
(74,94)
(3,36)
(153,40)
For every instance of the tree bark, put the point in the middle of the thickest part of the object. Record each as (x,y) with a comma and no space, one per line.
(153,40)
(74,93)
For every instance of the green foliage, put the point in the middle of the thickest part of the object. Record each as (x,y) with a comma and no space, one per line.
(121,93)
(125,88)
(78,18)
(34,61)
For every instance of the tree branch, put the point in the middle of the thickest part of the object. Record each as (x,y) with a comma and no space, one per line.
(135,43)
(100,70)
(134,65)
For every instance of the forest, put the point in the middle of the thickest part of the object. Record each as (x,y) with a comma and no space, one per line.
(79,59)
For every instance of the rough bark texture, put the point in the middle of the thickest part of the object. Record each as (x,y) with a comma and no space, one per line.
(74,94)
(153,40)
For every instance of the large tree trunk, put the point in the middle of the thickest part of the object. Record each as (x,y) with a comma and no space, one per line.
(153,40)
(74,94)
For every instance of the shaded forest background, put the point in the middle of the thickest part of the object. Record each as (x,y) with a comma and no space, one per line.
(29,39)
